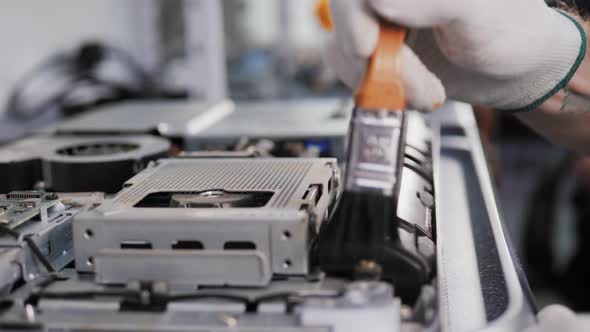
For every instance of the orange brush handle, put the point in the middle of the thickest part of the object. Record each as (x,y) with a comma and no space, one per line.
(382,87)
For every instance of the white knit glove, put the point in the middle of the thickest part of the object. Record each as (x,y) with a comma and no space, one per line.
(504,54)
(556,318)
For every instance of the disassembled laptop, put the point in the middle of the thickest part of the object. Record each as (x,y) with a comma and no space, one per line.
(104,230)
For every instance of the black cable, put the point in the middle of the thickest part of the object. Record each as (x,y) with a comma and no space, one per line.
(64,75)
(38,253)
(55,66)
(291,299)
(49,279)
(144,78)
(34,248)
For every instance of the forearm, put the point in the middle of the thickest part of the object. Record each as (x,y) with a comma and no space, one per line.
(569,127)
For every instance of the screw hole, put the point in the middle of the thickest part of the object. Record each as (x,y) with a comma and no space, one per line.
(286,235)
(287,263)
(88,233)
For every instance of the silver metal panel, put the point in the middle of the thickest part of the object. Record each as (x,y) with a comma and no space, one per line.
(167,118)
(324,305)
(459,270)
(178,321)
(307,118)
(462,305)
(365,306)
(375,139)
(241,268)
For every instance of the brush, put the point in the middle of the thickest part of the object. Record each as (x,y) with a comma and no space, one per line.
(362,225)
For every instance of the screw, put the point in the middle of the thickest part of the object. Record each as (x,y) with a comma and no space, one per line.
(51,196)
(229,321)
(367,270)
(406,312)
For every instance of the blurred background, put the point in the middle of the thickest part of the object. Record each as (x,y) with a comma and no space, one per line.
(65,57)
(62,58)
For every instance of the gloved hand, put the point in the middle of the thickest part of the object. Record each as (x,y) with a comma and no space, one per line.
(503,54)
(556,318)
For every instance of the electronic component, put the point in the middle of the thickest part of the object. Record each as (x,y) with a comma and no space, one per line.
(19,207)
(77,163)
(244,219)
(36,233)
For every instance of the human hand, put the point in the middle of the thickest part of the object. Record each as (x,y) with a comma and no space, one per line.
(501,54)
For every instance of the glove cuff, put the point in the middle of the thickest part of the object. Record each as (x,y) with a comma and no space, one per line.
(563,83)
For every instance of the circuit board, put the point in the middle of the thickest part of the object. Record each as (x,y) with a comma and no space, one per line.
(17,208)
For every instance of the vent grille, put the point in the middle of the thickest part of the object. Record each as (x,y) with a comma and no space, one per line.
(280,176)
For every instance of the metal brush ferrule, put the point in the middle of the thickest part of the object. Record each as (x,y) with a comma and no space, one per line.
(374,145)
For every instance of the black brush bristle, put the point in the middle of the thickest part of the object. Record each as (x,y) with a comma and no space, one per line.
(358,229)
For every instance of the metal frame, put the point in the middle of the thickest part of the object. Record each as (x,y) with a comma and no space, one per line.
(479,285)
(280,232)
